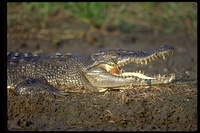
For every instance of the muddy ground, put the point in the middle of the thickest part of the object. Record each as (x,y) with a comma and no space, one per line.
(168,107)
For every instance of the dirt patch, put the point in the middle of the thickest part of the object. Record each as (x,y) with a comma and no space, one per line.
(166,107)
(169,107)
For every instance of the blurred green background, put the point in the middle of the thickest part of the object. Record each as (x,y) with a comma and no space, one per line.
(164,17)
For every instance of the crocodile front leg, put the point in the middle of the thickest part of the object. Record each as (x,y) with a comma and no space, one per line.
(37,85)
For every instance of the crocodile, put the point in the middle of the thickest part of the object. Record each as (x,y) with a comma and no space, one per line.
(62,73)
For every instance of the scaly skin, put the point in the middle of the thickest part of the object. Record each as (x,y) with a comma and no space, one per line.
(58,74)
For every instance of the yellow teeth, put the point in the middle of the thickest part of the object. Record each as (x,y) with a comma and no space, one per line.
(145,61)
(159,76)
(156,56)
(163,57)
(139,75)
(149,59)
(152,58)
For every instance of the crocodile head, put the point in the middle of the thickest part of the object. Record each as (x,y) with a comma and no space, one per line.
(112,60)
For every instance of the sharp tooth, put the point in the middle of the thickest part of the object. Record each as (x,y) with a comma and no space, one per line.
(132,60)
(155,56)
(146,61)
(139,71)
(149,59)
(142,62)
(163,57)
(159,75)
(152,58)
(122,70)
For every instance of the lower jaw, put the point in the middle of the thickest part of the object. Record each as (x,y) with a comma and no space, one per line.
(141,79)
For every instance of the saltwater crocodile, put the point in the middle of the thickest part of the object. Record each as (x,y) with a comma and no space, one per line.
(61,73)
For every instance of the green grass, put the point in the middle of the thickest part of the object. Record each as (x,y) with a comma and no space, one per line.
(165,17)
(36,12)
(97,14)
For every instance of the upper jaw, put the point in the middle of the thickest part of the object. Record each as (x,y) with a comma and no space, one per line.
(120,58)
(142,57)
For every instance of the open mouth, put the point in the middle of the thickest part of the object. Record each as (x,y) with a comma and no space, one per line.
(117,71)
